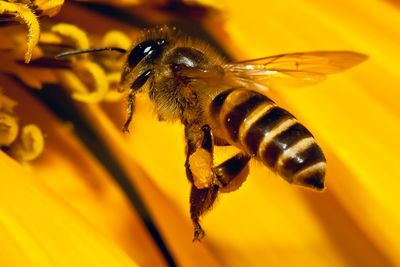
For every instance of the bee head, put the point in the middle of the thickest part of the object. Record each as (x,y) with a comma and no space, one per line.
(140,61)
(148,50)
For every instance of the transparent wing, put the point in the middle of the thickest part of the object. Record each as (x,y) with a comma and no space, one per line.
(294,70)
(286,70)
(278,78)
(322,62)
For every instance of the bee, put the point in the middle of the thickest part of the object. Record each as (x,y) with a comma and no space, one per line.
(222,103)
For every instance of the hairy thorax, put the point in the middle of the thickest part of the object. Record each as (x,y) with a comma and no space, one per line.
(173,96)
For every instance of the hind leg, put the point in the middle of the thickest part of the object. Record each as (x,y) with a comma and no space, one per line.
(199,155)
(232,173)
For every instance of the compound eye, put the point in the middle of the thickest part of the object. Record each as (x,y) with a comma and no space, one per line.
(151,49)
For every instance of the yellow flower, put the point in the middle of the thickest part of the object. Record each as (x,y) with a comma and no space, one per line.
(126,203)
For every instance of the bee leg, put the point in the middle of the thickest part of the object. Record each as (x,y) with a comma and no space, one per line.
(232,173)
(199,160)
(137,84)
(131,104)
(198,165)
(201,200)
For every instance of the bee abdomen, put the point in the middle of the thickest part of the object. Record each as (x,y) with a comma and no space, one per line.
(271,134)
(292,152)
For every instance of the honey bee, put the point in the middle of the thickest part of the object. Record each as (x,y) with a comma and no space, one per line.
(222,103)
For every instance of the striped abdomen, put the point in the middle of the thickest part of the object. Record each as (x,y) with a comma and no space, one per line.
(257,125)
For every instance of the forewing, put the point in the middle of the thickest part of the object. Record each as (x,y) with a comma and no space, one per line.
(322,62)
(294,70)
(213,76)
(286,70)
(278,78)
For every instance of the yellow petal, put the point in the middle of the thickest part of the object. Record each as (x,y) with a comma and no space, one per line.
(74,178)
(42,230)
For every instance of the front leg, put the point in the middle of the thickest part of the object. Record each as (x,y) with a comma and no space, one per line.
(131,105)
(135,87)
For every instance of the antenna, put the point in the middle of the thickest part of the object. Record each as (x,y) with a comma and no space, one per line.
(76,52)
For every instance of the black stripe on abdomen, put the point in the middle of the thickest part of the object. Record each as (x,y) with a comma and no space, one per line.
(306,158)
(294,151)
(263,126)
(282,141)
(218,101)
(236,116)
